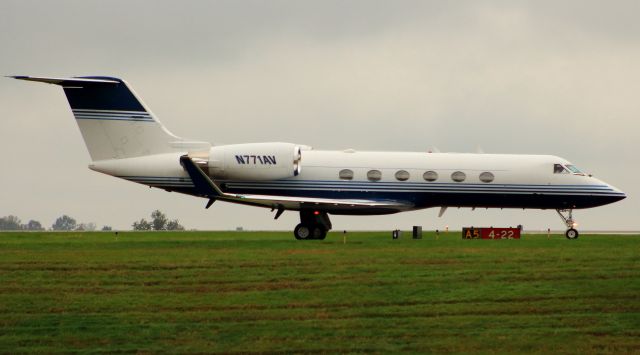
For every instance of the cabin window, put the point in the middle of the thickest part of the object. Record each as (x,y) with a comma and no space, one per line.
(486,177)
(346,174)
(430,176)
(559,169)
(374,175)
(402,175)
(458,176)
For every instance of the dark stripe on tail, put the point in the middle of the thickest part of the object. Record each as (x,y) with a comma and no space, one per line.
(101,95)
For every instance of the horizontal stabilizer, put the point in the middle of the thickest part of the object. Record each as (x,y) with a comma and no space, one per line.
(69,81)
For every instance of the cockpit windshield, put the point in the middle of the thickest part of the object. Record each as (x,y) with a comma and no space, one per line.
(566,169)
(574,170)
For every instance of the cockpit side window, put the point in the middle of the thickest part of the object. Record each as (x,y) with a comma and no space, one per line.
(559,169)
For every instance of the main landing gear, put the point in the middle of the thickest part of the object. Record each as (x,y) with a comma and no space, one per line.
(313,225)
(567,217)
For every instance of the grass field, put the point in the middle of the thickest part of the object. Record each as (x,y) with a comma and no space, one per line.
(266,292)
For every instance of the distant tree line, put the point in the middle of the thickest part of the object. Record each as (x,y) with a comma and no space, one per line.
(63,223)
(13,223)
(159,222)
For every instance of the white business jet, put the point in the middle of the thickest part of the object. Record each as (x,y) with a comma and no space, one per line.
(127,141)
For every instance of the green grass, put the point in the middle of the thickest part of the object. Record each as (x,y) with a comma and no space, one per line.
(266,292)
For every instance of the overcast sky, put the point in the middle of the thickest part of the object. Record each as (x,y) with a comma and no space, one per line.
(538,77)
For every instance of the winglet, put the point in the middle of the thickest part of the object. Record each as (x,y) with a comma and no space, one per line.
(202,182)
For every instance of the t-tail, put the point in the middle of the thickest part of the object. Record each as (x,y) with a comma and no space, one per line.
(114,122)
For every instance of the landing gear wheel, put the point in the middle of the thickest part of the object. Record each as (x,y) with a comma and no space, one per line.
(571,233)
(313,225)
(318,233)
(567,217)
(302,232)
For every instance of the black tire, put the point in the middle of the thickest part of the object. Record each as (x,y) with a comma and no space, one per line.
(571,233)
(302,232)
(319,233)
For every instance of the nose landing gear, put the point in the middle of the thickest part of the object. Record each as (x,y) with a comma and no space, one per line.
(313,225)
(567,217)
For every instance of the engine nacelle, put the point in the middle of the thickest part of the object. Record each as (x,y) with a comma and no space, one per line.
(254,161)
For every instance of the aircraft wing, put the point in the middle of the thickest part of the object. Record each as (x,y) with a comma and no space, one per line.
(208,188)
(311,202)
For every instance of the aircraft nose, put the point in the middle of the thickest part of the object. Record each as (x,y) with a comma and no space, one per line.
(619,192)
(615,192)
(608,193)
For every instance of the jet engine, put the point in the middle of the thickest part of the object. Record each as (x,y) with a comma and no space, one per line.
(252,161)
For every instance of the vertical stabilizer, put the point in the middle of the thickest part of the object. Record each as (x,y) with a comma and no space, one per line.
(113,121)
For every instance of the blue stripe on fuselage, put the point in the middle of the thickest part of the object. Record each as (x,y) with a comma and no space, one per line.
(422,195)
(284,186)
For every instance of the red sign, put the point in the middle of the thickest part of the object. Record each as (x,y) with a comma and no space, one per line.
(490,233)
